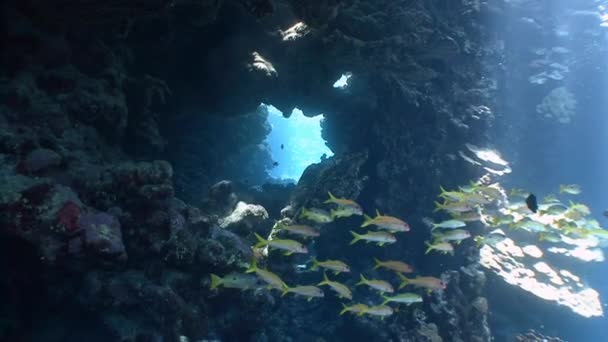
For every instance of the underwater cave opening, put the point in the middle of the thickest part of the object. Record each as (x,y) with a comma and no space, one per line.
(295,142)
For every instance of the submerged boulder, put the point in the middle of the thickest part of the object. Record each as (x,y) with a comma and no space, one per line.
(102,236)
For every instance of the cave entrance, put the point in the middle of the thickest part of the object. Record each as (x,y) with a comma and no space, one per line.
(295,143)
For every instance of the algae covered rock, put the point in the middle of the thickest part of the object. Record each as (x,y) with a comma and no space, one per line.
(102,236)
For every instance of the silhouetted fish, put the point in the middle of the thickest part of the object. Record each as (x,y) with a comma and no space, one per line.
(282,146)
(531,203)
(275,164)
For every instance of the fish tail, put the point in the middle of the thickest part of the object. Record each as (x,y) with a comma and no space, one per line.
(363,281)
(378,213)
(261,241)
(285,291)
(386,300)
(378,264)
(332,214)
(325,279)
(215,281)
(430,247)
(404,281)
(438,206)
(478,240)
(344,310)
(367,221)
(304,213)
(542,236)
(253,267)
(356,237)
(331,198)
(315,264)
(562,189)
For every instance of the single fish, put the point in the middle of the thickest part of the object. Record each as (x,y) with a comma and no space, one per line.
(500,220)
(475,198)
(394,265)
(273,280)
(550,198)
(572,189)
(336,266)
(342,290)
(449,224)
(531,203)
(456,235)
(454,207)
(549,237)
(358,309)
(491,238)
(307,291)
(443,247)
(552,209)
(379,237)
(235,281)
(451,195)
(430,283)
(379,310)
(577,211)
(343,212)
(315,215)
(386,222)
(380,285)
(404,298)
(290,246)
(518,193)
(492,191)
(529,225)
(345,203)
(300,229)
(470,216)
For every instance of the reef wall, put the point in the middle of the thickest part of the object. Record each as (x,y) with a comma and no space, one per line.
(111,113)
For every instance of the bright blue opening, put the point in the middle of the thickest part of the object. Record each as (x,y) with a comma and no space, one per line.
(295,143)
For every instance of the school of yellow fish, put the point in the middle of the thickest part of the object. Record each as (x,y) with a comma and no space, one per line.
(387,227)
(488,204)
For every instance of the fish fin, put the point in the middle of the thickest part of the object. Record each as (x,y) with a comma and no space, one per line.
(309,299)
(380,244)
(215,281)
(378,264)
(430,247)
(429,291)
(336,272)
(332,214)
(363,281)
(331,198)
(288,253)
(315,264)
(261,241)
(356,237)
(378,213)
(542,236)
(367,220)
(253,267)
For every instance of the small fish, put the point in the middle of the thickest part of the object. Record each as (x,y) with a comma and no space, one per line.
(431,283)
(336,266)
(316,215)
(345,203)
(572,189)
(500,220)
(379,285)
(275,164)
(386,222)
(358,309)
(531,203)
(394,265)
(552,209)
(475,198)
(290,246)
(470,216)
(577,211)
(456,235)
(404,298)
(379,237)
(299,229)
(529,225)
(492,238)
(235,281)
(549,237)
(342,290)
(307,291)
(379,310)
(598,232)
(443,247)
(449,224)
(343,212)
(518,193)
(550,198)
(282,146)
(273,280)
(451,195)
(453,207)
(493,191)
(605,213)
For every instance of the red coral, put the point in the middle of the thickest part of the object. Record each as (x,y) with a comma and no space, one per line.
(69,215)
